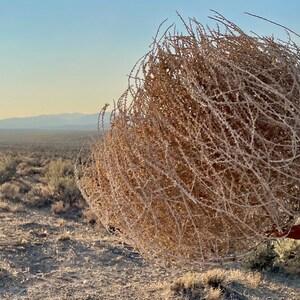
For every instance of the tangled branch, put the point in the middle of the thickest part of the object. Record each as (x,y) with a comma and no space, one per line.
(203,152)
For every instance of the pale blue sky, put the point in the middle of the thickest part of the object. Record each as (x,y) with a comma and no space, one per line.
(61,56)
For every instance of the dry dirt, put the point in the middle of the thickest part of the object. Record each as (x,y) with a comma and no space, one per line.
(45,256)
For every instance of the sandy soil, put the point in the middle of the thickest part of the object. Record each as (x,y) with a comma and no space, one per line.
(45,256)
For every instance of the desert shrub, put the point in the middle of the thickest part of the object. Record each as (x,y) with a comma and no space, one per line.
(280,254)
(260,258)
(25,187)
(9,207)
(8,168)
(70,191)
(61,181)
(56,172)
(39,195)
(288,252)
(10,190)
(30,165)
(22,168)
(203,152)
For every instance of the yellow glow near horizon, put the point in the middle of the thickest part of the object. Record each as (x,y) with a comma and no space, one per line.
(73,56)
(34,100)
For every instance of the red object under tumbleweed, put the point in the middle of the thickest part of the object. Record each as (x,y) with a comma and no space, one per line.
(291,233)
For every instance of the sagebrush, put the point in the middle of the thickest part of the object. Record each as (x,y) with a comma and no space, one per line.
(8,168)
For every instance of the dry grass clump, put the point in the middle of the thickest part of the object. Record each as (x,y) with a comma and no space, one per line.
(203,152)
(288,252)
(214,284)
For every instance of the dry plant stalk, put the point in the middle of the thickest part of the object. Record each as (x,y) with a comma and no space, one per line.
(202,156)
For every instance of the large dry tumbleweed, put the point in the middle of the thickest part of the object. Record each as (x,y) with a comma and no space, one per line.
(202,157)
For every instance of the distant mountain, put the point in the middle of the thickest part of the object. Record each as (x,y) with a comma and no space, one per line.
(72,121)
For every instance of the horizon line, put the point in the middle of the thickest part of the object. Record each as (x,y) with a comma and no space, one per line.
(54,114)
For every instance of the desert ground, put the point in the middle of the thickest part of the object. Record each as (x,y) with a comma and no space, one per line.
(53,247)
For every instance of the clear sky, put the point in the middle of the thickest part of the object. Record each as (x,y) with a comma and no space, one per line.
(60,56)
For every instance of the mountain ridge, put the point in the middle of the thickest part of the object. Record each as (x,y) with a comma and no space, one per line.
(64,121)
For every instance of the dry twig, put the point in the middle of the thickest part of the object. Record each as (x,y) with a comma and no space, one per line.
(205,158)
